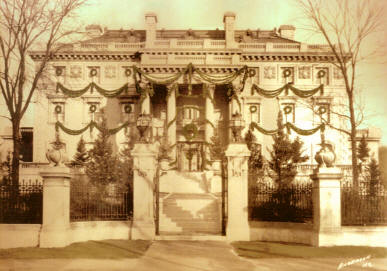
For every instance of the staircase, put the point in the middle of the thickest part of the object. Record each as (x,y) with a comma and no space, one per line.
(186,207)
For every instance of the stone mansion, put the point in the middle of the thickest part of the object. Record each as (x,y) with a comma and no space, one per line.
(178,90)
(190,72)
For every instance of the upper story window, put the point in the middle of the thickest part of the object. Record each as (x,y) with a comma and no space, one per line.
(94,111)
(254,112)
(287,75)
(322,75)
(191,113)
(58,111)
(288,110)
(323,111)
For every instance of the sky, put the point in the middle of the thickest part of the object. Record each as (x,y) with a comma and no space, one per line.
(250,14)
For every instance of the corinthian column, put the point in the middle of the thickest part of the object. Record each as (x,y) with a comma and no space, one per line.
(171,119)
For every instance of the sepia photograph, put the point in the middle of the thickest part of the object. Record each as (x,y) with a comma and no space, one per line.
(193,135)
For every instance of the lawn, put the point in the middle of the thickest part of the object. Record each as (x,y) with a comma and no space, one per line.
(106,249)
(282,250)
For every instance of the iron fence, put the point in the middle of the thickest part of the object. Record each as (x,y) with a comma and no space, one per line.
(366,205)
(289,204)
(21,203)
(91,203)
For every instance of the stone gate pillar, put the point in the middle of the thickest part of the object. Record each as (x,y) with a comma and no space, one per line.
(144,163)
(56,207)
(326,205)
(237,224)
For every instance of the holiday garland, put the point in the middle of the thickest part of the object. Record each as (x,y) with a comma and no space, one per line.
(91,87)
(289,126)
(190,71)
(274,93)
(91,125)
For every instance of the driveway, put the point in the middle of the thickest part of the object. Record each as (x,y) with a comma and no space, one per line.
(193,256)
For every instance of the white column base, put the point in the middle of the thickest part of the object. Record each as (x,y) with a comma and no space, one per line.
(54,237)
(143,230)
(238,232)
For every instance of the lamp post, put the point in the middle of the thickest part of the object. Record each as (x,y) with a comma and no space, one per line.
(143,122)
(237,124)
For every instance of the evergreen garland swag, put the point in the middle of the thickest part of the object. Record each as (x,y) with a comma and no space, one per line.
(77,93)
(289,126)
(190,70)
(91,126)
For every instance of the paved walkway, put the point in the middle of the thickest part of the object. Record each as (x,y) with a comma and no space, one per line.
(191,256)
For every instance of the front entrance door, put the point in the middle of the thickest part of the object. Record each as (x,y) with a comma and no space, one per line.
(190,156)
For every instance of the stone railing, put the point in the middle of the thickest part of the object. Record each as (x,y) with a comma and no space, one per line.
(202,44)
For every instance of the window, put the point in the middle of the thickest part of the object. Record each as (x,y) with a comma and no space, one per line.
(323,112)
(254,112)
(322,76)
(93,110)
(191,113)
(288,110)
(58,111)
(287,74)
(127,111)
(27,137)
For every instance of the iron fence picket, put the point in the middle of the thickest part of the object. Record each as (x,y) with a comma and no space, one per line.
(87,205)
(21,203)
(290,204)
(366,205)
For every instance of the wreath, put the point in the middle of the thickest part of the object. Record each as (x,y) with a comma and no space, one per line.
(58,71)
(92,108)
(190,131)
(128,109)
(320,73)
(287,73)
(253,108)
(128,72)
(288,109)
(93,72)
(252,72)
(322,110)
(58,109)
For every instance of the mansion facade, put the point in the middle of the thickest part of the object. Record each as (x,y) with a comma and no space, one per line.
(191,83)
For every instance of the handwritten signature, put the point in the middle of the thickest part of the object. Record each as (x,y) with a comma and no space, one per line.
(363,260)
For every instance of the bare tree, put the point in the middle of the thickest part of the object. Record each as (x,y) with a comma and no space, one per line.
(346,26)
(25,24)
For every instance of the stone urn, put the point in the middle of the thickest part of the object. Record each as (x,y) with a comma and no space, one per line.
(164,164)
(56,154)
(326,156)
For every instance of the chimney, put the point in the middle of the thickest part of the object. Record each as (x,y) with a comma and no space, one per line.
(151,23)
(287,31)
(93,30)
(228,20)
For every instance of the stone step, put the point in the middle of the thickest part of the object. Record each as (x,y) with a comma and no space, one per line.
(186,237)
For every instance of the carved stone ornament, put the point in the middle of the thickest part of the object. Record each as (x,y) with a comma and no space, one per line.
(56,155)
(75,71)
(304,72)
(269,72)
(326,156)
(110,72)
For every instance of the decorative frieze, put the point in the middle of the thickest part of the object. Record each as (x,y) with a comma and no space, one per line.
(304,72)
(269,72)
(110,72)
(75,71)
